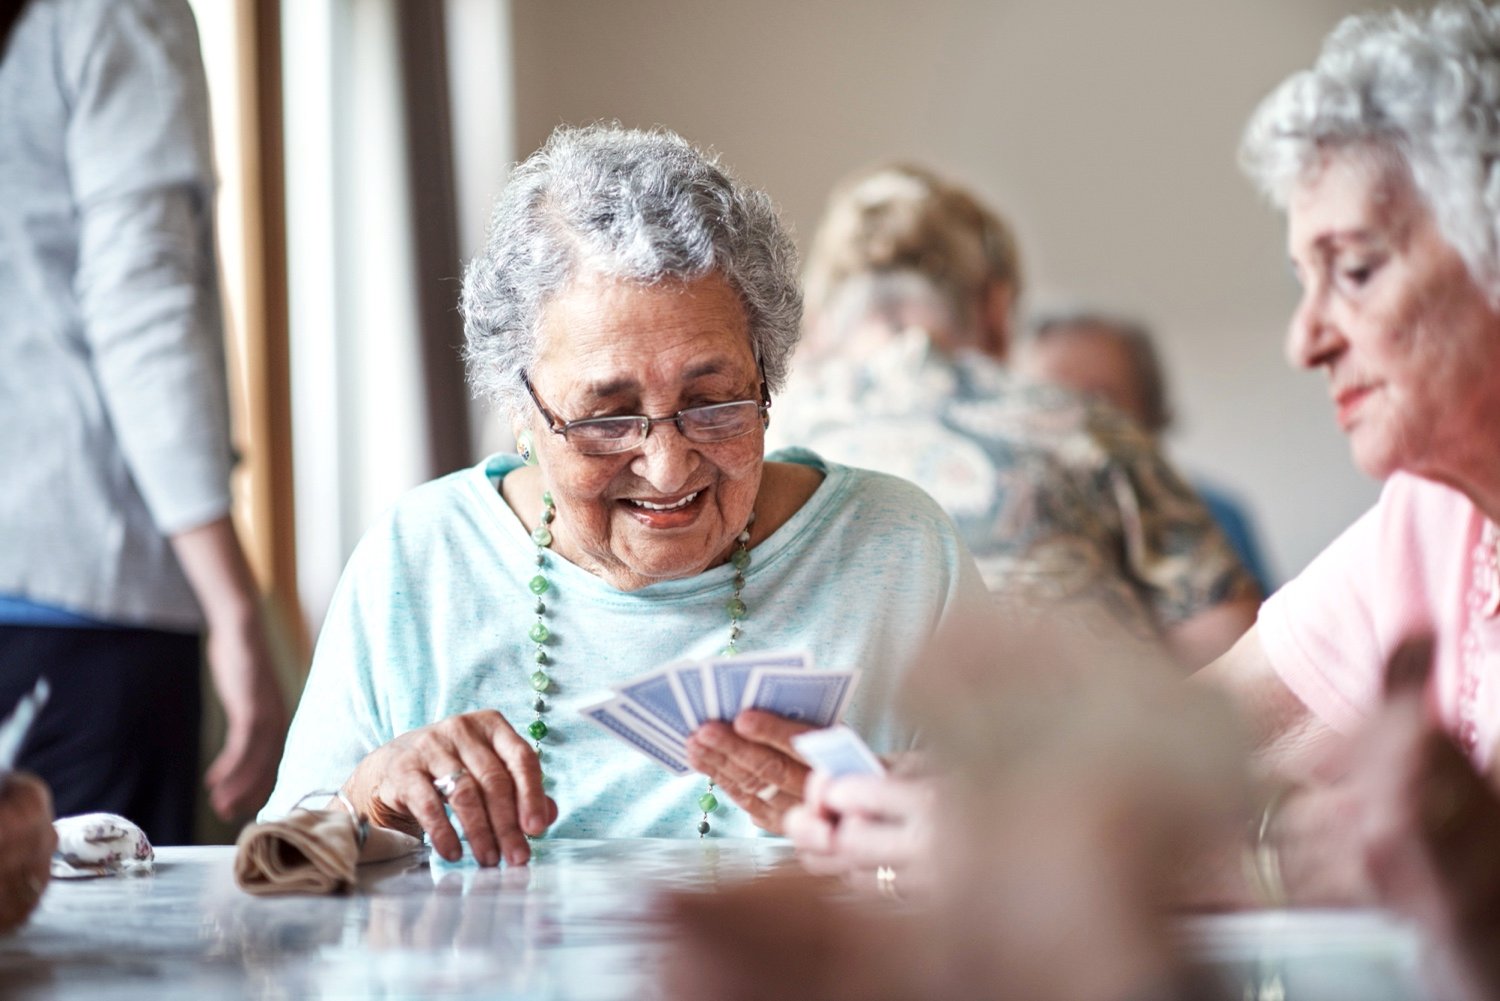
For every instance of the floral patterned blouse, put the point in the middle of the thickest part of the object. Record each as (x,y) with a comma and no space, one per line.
(1060,500)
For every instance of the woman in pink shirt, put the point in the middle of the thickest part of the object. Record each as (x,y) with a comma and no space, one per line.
(1384,156)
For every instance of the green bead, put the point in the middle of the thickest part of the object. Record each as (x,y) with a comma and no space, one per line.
(547,499)
(537,729)
(549,516)
(538,633)
(539,584)
(540,608)
(541,656)
(540,682)
(728,651)
(541,536)
(703,828)
(736,608)
(708,803)
(740,559)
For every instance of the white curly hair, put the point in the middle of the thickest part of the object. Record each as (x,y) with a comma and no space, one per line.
(1420,89)
(633,205)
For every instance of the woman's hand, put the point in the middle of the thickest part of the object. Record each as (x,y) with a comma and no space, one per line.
(496,791)
(1429,828)
(754,762)
(241,776)
(858,825)
(27,841)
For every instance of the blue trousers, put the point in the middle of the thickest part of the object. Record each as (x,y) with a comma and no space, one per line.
(120,731)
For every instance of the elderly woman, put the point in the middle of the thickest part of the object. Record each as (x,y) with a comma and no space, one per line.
(632,313)
(1383,157)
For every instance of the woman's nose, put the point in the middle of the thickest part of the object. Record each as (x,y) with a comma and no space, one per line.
(1312,336)
(666,458)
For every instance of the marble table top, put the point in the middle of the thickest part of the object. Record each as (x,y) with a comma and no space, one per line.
(572,925)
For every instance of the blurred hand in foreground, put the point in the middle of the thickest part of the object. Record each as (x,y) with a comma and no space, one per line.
(1069,788)
(1429,827)
(26,844)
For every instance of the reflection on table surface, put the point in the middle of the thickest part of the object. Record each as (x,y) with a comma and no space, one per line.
(576,923)
(1310,955)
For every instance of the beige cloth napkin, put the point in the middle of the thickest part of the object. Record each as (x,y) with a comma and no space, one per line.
(311,851)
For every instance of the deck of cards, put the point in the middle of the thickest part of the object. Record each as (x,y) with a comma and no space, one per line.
(657,712)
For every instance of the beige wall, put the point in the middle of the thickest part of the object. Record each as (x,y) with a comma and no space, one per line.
(1106,130)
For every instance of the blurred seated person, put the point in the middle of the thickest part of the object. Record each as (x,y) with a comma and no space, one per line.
(26,844)
(1114,360)
(912,283)
(641,522)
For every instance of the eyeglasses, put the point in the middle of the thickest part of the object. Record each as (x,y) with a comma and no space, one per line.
(608,435)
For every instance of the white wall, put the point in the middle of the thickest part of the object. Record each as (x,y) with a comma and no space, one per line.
(1105,130)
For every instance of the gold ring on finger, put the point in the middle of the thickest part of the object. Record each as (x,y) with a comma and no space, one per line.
(885,882)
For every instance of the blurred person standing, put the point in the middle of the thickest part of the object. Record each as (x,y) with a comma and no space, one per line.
(1114,360)
(118,558)
(911,288)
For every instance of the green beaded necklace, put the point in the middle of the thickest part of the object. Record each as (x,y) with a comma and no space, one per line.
(542,683)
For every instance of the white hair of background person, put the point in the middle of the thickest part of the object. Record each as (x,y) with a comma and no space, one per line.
(630,205)
(1418,88)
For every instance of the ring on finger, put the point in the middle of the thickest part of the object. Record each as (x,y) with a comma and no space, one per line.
(885,882)
(446,785)
(767,793)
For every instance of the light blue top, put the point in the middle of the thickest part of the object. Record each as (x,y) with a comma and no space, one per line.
(430,620)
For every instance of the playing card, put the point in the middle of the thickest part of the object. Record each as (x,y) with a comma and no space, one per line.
(816,697)
(730,677)
(17,725)
(627,723)
(657,695)
(692,692)
(838,751)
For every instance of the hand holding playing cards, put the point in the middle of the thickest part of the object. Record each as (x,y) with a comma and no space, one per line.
(494,777)
(753,761)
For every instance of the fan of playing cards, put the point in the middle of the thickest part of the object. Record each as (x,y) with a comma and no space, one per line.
(656,713)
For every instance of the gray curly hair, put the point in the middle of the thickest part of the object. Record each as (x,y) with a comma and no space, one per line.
(632,205)
(1422,89)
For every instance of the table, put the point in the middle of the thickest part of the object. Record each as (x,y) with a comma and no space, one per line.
(572,925)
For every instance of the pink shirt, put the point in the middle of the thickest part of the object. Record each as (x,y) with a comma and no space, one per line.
(1422,559)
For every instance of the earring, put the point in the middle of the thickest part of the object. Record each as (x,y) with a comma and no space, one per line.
(523,445)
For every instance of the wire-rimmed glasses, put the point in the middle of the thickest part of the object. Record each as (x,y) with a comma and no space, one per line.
(706,424)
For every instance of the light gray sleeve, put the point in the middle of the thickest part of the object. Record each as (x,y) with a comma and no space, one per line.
(141,167)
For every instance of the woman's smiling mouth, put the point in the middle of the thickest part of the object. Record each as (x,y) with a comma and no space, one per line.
(665,512)
(652,506)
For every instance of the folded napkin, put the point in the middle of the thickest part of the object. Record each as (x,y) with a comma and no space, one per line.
(311,851)
(100,844)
